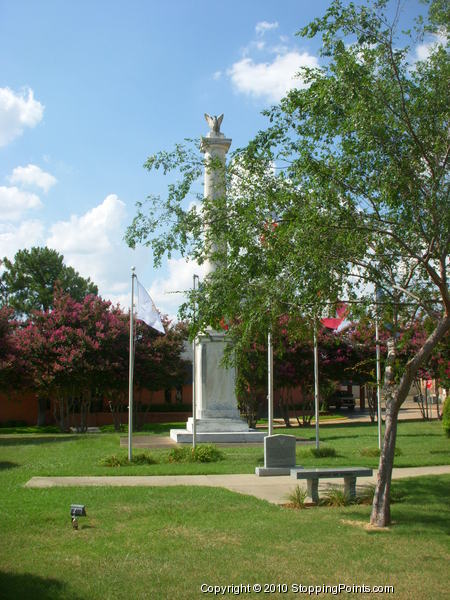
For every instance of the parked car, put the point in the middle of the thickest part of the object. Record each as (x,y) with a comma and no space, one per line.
(341,398)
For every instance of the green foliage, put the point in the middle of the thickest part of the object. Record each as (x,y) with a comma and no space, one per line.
(321,452)
(297,498)
(446,416)
(204,453)
(111,428)
(29,280)
(335,496)
(121,460)
(19,427)
(359,185)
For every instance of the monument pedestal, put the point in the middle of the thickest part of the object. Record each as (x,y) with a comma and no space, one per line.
(217,416)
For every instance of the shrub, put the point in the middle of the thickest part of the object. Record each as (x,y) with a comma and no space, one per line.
(297,498)
(143,459)
(121,460)
(446,416)
(111,429)
(204,453)
(113,461)
(207,453)
(336,497)
(323,451)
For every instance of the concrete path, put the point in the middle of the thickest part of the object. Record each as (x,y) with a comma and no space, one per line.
(272,489)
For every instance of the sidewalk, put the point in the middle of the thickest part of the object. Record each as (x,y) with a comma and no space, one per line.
(272,489)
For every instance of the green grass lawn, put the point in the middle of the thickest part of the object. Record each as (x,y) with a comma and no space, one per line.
(145,543)
(421,444)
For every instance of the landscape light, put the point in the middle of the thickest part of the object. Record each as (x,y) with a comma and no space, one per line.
(77,510)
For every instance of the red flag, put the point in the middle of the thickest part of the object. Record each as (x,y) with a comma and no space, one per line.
(338,323)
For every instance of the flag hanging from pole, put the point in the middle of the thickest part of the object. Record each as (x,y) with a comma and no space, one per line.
(339,323)
(146,310)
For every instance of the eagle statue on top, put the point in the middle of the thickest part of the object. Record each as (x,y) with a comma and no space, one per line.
(214,123)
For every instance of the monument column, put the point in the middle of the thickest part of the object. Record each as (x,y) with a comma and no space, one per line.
(217,415)
(215,147)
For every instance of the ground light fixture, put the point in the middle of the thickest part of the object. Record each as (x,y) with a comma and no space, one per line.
(77,510)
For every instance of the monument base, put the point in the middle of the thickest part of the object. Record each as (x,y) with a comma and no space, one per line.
(273,471)
(183,436)
(218,424)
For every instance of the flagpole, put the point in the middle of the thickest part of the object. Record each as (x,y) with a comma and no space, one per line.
(194,403)
(316,383)
(131,371)
(270,381)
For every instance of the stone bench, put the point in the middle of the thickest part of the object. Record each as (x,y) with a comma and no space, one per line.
(349,474)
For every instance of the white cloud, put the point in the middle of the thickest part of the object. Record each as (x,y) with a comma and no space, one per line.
(25,235)
(17,111)
(424,50)
(89,233)
(33,176)
(15,202)
(92,243)
(263,26)
(270,80)
(279,49)
(167,293)
(217,75)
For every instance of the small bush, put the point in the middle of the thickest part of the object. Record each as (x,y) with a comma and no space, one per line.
(178,455)
(111,429)
(121,460)
(204,453)
(208,453)
(297,498)
(113,461)
(336,497)
(446,416)
(323,452)
(143,459)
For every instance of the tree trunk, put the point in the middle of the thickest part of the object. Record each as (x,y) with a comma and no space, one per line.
(395,395)
(381,508)
(42,409)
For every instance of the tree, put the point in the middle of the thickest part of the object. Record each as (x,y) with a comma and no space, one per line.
(345,191)
(72,353)
(79,352)
(11,371)
(28,281)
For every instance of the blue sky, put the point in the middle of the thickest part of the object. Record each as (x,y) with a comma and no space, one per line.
(89,89)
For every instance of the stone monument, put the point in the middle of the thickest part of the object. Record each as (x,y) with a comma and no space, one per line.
(279,456)
(217,416)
